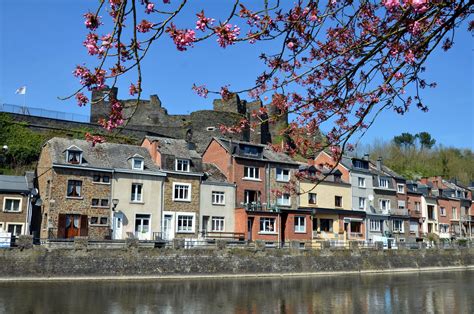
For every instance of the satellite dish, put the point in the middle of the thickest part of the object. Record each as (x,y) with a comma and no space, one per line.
(371,197)
(34,192)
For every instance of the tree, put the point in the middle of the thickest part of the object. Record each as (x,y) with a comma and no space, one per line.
(337,62)
(405,139)
(425,140)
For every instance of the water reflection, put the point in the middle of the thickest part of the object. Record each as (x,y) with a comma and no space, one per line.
(450,292)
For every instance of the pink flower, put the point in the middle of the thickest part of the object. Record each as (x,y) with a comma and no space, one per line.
(410,56)
(203,21)
(390,4)
(91,44)
(418,5)
(134,89)
(82,99)
(150,7)
(115,117)
(144,26)
(94,139)
(398,75)
(201,90)
(227,35)
(182,38)
(92,21)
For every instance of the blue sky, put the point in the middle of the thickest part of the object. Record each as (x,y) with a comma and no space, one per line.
(41,42)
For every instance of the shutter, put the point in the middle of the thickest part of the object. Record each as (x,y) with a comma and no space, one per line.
(61,226)
(84,226)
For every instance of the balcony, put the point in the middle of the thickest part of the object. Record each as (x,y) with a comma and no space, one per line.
(258,206)
(356,236)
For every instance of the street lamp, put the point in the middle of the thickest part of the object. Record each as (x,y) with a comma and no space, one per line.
(115,202)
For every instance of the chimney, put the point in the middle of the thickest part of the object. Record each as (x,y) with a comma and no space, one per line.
(379,163)
(366,157)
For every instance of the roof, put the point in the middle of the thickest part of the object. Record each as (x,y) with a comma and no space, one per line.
(14,184)
(212,174)
(105,155)
(175,147)
(269,155)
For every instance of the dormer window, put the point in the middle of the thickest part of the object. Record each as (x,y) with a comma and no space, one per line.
(74,157)
(182,165)
(137,163)
(250,150)
(383,183)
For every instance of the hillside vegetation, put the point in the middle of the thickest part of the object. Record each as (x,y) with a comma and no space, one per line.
(417,156)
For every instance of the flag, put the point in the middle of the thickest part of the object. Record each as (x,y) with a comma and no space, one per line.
(21,90)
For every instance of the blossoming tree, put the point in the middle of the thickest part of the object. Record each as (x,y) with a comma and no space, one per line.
(340,62)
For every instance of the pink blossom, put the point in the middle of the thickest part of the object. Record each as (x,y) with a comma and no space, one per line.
(398,75)
(390,4)
(144,26)
(134,89)
(91,44)
(182,38)
(92,21)
(227,35)
(115,117)
(410,56)
(88,79)
(94,139)
(203,21)
(419,5)
(82,99)
(201,90)
(150,7)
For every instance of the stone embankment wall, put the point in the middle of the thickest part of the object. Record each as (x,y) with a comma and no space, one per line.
(40,262)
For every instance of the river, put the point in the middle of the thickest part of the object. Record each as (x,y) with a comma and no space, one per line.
(441,292)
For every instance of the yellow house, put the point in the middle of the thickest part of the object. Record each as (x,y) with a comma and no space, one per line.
(330,201)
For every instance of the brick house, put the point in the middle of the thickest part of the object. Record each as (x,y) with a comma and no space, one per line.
(15,196)
(75,184)
(414,209)
(265,209)
(181,195)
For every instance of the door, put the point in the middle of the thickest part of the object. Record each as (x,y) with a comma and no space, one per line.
(249,228)
(168,227)
(118,226)
(142,227)
(205,227)
(73,226)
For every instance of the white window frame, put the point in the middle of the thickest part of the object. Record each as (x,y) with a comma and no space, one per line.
(281,176)
(376,225)
(182,165)
(13,199)
(398,230)
(363,199)
(193,221)
(267,221)
(188,185)
(218,198)
(454,212)
(415,225)
(218,223)
(298,227)
(142,163)
(75,152)
(361,182)
(387,203)
(417,206)
(284,199)
(134,195)
(385,186)
(17,224)
(400,203)
(252,173)
(402,186)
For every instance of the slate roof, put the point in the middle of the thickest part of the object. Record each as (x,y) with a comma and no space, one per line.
(212,174)
(105,155)
(268,155)
(13,184)
(175,147)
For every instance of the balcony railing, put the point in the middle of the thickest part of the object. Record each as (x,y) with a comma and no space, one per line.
(356,235)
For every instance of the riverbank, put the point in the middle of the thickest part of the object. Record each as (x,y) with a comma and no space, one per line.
(105,264)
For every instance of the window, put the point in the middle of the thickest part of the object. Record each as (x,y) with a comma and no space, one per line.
(282,175)
(413,227)
(74,188)
(15,229)
(95,202)
(455,213)
(338,201)
(100,202)
(443,228)
(251,196)
(251,173)
(398,225)
(185,223)
(376,225)
(97,178)
(361,182)
(300,224)
(383,183)
(361,164)
(12,205)
(442,211)
(106,179)
(137,195)
(250,150)
(361,202)
(74,157)
(142,224)
(284,200)
(137,163)
(401,204)
(325,225)
(384,204)
(417,206)
(218,198)
(267,225)
(400,188)
(312,198)
(218,224)
(182,192)
(99,221)
(182,165)
(104,202)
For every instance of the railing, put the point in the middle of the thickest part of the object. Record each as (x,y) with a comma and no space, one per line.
(222,235)
(356,235)
(38,112)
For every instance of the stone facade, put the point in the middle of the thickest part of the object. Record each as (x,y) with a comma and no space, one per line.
(19,218)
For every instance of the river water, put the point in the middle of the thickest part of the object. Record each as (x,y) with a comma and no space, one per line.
(442,292)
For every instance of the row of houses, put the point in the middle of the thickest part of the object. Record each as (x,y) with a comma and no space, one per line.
(164,189)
